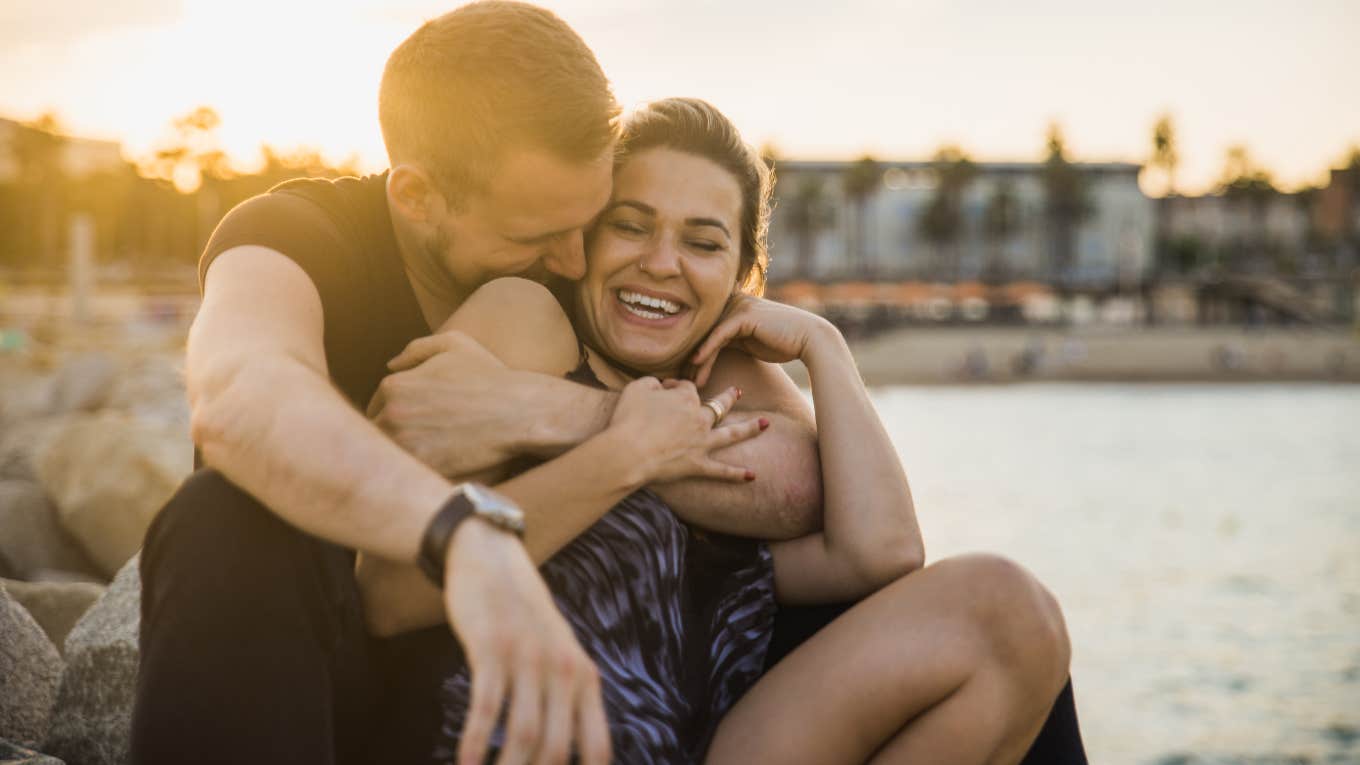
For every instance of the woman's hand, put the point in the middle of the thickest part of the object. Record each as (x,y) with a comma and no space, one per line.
(764,329)
(672,434)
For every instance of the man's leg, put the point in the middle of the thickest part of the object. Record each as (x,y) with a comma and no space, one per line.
(252,642)
(1059,742)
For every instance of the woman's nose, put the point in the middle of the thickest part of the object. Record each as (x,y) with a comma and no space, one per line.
(661,258)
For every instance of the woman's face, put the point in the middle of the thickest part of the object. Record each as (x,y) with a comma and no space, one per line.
(662,260)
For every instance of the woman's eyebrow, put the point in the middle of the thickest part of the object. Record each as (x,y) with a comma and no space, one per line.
(709,222)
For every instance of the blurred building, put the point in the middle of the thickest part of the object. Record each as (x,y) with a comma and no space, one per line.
(77,157)
(828,227)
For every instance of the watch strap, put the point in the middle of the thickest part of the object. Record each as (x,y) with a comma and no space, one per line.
(434,543)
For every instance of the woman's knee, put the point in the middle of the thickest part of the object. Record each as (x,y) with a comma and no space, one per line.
(1016,615)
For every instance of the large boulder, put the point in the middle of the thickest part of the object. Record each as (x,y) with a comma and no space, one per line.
(109,474)
(94,705)
(55,606)
(12,754)
(32,540)
(30,671)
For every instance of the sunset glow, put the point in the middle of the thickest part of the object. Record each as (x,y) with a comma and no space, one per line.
(870,77)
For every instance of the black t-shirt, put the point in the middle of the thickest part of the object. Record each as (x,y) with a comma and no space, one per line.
(340,233)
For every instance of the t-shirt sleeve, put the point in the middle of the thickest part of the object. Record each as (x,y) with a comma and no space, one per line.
(293,226)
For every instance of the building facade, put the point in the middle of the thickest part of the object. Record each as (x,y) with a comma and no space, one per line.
(824,229)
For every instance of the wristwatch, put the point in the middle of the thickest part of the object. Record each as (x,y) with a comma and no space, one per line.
(471,499)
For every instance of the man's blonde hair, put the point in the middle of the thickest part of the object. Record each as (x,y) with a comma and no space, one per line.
(489,76)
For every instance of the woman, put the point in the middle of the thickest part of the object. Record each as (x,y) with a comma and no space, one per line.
(956,663)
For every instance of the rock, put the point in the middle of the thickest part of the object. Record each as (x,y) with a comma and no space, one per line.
(83,382)
(20,440)
(30,671)
(33,540)
(109,474)
(27,394)
(13,754)
(55,606)
(94,705)
(153,389)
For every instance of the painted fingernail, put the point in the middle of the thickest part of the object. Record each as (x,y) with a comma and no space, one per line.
(750,476)
(764,423)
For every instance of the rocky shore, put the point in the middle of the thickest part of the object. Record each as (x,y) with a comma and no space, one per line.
(94,437)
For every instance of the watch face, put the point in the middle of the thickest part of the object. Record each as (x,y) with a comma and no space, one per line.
(492,503)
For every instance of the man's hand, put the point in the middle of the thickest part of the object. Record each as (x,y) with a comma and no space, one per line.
(451,404)
(526,654)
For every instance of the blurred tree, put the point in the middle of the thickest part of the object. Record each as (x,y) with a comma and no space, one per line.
(191,153)
(1065,207)
(860,182)
(807,213)
(1000,221)
(942,222)
(39,154)
(1164,154)
(1248,190)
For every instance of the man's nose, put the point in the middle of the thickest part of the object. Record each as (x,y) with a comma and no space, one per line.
(661,258)
(566,256)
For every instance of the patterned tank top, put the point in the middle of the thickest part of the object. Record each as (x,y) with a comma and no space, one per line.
(676,619)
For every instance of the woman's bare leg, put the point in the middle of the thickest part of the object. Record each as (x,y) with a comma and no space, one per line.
(956,663)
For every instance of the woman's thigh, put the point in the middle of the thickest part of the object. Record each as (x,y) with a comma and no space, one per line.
(854,684)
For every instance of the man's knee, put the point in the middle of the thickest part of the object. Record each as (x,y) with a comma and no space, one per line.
(209,536)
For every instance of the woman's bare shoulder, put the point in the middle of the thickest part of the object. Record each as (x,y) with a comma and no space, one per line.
(521,322)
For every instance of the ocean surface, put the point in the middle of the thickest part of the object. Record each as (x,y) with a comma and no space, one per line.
(1204,541)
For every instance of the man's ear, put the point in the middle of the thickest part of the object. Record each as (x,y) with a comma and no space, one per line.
(412,193)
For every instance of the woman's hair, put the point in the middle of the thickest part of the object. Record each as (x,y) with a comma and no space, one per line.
(695,127)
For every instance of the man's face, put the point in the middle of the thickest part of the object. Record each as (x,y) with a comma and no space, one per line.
(530,222)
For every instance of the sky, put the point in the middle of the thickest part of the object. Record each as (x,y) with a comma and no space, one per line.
(818,80)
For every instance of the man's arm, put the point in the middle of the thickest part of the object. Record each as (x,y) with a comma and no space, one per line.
(265,414)
(453,405)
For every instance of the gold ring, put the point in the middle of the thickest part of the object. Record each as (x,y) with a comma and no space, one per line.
(716,408)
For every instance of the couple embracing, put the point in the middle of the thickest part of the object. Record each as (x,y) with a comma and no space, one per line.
(498,462)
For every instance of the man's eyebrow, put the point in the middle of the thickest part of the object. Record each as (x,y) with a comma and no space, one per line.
(649,210)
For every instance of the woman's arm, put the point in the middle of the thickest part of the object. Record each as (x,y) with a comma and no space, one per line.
(870,536)
(656,433)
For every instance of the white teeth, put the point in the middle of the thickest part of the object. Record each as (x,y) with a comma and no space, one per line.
(644,314)
(635,301)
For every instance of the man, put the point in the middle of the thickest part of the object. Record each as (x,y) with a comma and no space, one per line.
(499,125)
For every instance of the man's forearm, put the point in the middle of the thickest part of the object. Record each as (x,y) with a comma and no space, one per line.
(310,457)
(783,502)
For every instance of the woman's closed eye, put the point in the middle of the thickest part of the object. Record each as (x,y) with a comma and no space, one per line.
(706,245)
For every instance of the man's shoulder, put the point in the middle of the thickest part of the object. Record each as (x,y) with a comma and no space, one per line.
(317,222)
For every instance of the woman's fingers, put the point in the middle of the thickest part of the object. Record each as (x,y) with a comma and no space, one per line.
(725,400)
(488,691)
(592,726)
(524,725)
(735,433)
(721,335)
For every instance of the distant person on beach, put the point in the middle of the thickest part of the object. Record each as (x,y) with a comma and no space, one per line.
(501,129)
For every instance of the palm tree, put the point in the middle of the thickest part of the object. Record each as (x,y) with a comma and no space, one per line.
(860,181)
(999,223)
(1065,206)
(1164,154)
(807,215)
(942,222)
